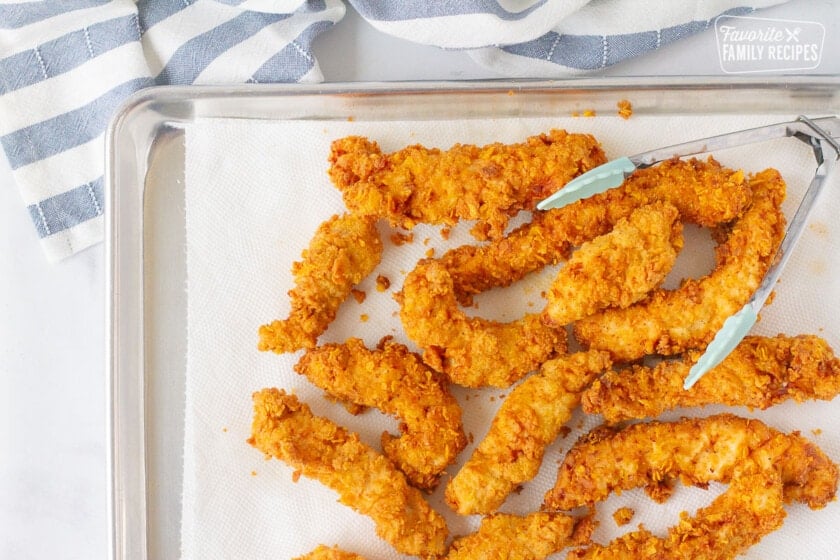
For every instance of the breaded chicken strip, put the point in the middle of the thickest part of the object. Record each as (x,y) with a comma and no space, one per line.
(704,192)
(759,373)
(397,382)
(749,509)
(344,250)
(529,419)
(619,268)
(485,183)
(366,481)
(695,451)
(672,321)
(471,351)
(503,536)
(329,553)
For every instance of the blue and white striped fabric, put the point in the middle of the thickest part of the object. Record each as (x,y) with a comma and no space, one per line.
(66,65)
(549,38)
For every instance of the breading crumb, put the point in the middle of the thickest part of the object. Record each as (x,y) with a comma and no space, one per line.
(625,109)
(358,295)
(399,238)
(382,283)
(623,515)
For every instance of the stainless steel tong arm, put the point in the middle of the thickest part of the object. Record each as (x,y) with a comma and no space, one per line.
(803,128)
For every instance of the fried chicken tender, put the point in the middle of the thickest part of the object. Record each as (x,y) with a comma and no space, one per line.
(704,192)
(485,183)
(749,509)
(329,553)
(672,321)
(511,537)
(366,481)
(530,418)
(471,351)
(695,451)
(344,250)
(619,268)
(760,372)
(397,382)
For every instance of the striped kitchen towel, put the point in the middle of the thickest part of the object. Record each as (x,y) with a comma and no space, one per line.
(66,65)
(549,38)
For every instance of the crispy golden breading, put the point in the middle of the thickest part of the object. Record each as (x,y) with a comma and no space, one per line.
(619,268)
(672,321)
(695,451)
(502,536)
(397,382)
(748,510)
(471,351)
(704,192)
(760,372)
(329,553)
(530,418)
(366,481)
(485,183)
(343,251)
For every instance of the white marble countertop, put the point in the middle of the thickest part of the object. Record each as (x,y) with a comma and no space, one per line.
(53,487)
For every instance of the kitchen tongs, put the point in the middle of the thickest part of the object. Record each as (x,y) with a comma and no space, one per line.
(821,134)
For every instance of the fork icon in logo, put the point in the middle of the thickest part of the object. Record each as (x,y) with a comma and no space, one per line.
(793,34)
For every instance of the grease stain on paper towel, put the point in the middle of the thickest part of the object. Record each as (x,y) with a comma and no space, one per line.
(817,267)
(820,229)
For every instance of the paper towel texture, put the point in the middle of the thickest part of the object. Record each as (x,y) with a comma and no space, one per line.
(255,193)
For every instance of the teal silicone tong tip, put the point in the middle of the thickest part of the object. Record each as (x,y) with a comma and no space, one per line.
(594,181)
(734,329)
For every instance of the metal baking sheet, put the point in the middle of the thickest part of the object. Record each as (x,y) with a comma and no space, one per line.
(146,235)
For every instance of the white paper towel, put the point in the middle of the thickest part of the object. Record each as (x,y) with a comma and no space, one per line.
(255,193)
